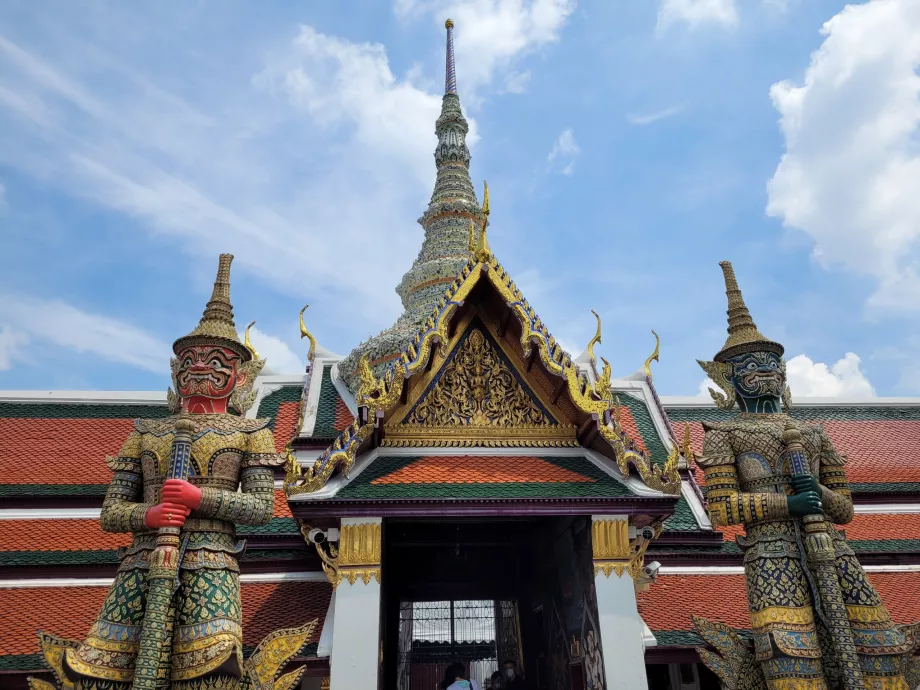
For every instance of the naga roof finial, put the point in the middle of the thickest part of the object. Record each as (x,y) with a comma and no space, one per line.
(216,325)
(248,343)
(743,335)
(304,333)
(653,357)
(450,75)
(596,340)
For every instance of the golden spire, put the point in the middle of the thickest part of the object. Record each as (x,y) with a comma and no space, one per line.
(743,335)
(304,333)
(216,326)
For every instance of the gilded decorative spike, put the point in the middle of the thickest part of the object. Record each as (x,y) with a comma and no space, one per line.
(653,357)
(596,340)
(248,343)
(304,333)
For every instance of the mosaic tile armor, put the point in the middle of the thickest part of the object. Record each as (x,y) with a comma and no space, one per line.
(227,452)
(172,618)
(816,620)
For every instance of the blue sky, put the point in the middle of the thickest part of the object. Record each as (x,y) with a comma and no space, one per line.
(629,146)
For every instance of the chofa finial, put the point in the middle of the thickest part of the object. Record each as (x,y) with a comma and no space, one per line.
(248,343)
(596,340)
(304,333)
(653,357)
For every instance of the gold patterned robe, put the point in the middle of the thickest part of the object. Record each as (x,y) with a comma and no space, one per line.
(747,484)
(228,453)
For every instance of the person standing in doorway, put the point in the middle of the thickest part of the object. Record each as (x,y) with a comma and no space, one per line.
(455,678)
(513,678)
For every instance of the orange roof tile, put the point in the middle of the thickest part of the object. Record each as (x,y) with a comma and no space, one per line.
(282,509)
(58,535)
(864,527)
(59,451)
(631,428)
(286,424)
(69,611)
(876,449)
(343,417)
(723,598)
(480,469)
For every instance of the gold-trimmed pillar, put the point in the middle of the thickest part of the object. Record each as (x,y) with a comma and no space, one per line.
(617,561)
(355,574)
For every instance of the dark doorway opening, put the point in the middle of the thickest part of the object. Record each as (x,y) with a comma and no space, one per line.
(453,591)
(482,591)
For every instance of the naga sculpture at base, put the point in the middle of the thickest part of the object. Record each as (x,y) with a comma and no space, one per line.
(172,618)
(816,619)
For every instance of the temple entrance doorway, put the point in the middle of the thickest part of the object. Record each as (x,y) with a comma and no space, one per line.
(482,591)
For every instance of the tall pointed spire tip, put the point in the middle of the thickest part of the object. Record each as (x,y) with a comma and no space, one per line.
(450,75)
(743,335)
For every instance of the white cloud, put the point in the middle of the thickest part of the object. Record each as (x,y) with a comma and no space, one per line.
(851,170)
(843,379)
(641,120)
(324,132)
(807,378)
(278,355)
(695,13)
(11,345)
(562,156)
(56,322)
(516,82)
(490,34)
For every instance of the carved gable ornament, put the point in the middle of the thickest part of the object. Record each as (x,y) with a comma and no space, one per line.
(477,398)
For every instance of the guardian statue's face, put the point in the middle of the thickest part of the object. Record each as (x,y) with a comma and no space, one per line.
(758,375)
(207,372)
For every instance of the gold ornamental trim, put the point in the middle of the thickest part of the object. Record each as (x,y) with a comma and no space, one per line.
(868,614)
(781,615)
(383,394)
(356,557)
(613,550)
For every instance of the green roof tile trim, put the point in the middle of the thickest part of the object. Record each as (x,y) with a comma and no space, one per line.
(814,414)
(604,485)
(50,410)
(730,548)
(326,407)
(683,638)
(269,405)
(15,490)
(643,419)
(886,487)
(683,518)
(23,662)
(274,526)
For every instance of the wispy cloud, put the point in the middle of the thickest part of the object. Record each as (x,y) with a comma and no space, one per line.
(695,13)
(491,34)
(12,344)
(562,156)
(807,378)
(641,120)
(24,318)
(278,355)
(851,169)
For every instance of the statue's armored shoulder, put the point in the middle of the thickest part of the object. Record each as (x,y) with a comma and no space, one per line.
(217,422)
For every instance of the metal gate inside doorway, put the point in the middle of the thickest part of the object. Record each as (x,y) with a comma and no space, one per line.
(433,634)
